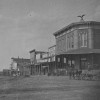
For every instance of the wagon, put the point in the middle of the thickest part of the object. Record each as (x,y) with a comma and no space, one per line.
(90,75)
(85,74)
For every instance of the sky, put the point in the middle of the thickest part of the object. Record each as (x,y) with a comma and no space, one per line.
(30,24)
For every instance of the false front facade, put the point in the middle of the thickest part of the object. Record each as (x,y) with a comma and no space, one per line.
(39,62)
(20,66)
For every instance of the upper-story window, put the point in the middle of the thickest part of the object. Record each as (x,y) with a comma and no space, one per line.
(70,40)
(82,33)
(64,60)
(58,59)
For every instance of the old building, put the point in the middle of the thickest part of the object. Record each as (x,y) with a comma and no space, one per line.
(43,62)
(20,66)
(78,45)
(39,62)
(51,58)
(6,72)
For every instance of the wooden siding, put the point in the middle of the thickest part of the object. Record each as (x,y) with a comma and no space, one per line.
(96,38)
(61,44)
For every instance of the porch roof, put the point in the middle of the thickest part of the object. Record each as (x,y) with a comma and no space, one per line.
(82,51)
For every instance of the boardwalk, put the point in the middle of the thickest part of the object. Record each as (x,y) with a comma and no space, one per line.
(48,88)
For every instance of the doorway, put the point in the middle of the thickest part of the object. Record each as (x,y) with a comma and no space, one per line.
(84,63)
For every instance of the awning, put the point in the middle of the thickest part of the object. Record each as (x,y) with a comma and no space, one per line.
(82,51)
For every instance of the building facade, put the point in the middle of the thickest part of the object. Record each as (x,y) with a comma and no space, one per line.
(78,46)
(39,62)
(6,72)
(51,58)
(42,62)
(20,66)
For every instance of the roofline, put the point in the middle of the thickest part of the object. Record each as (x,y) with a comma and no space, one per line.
(41,52)
(20,58)
(32,51)
(37,51)
(73,25)
(52,46)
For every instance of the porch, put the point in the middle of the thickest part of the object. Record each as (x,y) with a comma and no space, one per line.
(81,59)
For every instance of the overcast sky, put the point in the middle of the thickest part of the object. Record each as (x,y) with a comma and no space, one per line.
(30,24)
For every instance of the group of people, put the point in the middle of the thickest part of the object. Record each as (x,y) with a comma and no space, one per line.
(74,73)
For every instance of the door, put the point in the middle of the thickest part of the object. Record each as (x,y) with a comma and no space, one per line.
(84,63)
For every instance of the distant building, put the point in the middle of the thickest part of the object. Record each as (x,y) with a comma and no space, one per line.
(6,72)
(51,58)
(20,66)
(39,62)
(78,45)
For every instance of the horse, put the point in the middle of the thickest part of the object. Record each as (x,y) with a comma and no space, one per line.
(75,73)
(78,74)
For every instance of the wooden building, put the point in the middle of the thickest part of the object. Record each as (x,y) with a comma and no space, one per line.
(39,62)
(6,72)
(51,58)
(20,66)
(78,45)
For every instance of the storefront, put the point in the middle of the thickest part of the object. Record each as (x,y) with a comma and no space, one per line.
(79,59)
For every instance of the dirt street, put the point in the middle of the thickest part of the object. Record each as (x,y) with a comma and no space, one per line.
(48,88)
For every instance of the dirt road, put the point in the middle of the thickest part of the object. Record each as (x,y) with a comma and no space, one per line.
(48,88)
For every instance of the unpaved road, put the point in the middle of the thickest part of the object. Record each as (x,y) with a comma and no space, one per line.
(48,88)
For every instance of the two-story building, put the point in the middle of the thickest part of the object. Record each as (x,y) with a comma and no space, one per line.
(78,45)
(39,62)
(51,58)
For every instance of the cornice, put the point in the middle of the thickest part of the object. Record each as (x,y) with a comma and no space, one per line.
(76,24)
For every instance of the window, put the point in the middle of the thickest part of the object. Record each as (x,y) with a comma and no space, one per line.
(54,58)
(82,38)
(79,36)
(58,59)
(70,40)
(84,63)
(82,41)
(73,62)
(85,39)
(64,60)
(69,62)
